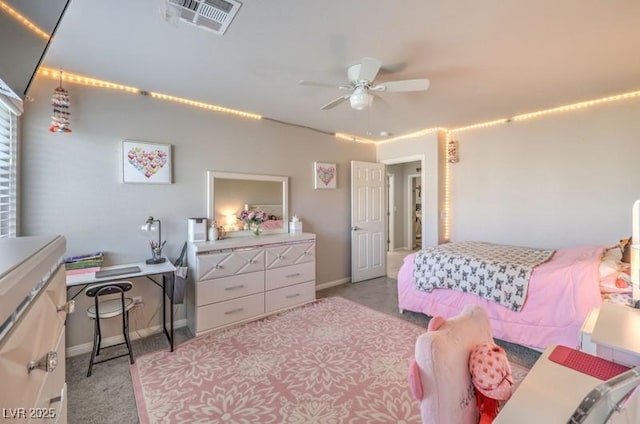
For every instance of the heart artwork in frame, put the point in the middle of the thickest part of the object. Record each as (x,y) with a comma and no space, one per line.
(325,175)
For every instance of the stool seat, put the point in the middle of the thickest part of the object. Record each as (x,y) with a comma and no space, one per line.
(115,305)
(110,308)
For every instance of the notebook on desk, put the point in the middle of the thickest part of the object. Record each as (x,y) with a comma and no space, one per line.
(117,271)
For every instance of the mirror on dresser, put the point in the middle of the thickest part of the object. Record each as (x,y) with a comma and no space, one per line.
(229,193)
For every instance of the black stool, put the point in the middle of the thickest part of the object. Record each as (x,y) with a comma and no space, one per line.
(111,308)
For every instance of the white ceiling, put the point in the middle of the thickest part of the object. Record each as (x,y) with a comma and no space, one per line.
(485,59)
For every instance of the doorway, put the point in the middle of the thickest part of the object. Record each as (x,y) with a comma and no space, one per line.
(414,211)
(403,232)
(391,213)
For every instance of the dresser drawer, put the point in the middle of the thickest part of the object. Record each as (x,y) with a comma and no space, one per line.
(221,289)
(223,313)
(51,403)
(286,276)
(223,264)
(37,333)
(290,254)
(290,296)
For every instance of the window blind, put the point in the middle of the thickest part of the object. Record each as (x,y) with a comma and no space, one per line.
(8,174)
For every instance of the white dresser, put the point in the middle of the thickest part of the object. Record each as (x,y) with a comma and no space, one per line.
(33,310)
(244,278)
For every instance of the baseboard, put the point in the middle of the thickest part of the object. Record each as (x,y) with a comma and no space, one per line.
(332,284)
(134,335)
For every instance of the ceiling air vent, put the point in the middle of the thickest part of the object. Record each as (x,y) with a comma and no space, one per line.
(214,15)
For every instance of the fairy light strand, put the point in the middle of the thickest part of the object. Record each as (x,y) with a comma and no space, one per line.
(23,20)
(92,82)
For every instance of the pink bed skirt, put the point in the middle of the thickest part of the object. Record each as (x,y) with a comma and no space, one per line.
(561,294)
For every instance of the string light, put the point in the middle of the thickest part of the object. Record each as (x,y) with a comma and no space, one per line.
(413,135)
(83,80)
(447,189)
(92,82)
(23,20)
(349,137)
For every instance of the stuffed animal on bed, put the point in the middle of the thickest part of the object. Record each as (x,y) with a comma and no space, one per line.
(439,374)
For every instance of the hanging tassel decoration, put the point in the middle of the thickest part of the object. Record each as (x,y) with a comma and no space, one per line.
(60,103)
(452,151)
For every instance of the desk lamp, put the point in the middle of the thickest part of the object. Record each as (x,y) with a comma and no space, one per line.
(156,247)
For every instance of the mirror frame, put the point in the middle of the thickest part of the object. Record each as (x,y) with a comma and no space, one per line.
(211,210)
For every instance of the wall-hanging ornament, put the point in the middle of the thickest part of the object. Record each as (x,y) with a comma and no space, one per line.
(60,104)
(452,151)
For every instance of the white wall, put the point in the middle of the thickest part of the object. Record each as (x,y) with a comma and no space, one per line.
(71,183)
(558,181)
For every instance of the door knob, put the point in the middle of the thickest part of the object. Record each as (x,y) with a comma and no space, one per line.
(355,228)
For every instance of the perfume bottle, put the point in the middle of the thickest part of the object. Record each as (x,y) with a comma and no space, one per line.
(213,231)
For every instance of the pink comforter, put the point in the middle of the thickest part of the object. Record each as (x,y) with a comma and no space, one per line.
(561,293)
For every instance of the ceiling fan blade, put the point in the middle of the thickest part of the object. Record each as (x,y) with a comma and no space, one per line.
(403,85)
(369,69)
(335,102)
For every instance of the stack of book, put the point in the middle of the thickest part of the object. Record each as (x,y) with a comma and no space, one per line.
(82,264)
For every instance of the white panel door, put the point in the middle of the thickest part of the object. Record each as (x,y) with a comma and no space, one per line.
(368,254)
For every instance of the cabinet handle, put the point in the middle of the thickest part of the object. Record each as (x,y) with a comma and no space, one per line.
(252,261)
(239,286)
(68,307)
(58,399)
(281,257)
(234,311)
(292,275)
(218,266)
(291,296)
(47,363)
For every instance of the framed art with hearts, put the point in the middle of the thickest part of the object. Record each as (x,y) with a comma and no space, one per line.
(144,162)
(324,175)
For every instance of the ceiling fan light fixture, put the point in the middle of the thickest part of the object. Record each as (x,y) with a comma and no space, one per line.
(359,99)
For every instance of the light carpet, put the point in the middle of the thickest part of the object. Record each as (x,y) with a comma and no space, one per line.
(331,361)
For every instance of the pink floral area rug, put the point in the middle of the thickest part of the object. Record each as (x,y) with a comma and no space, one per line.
(331,361)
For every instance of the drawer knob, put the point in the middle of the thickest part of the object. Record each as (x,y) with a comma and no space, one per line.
(291,296)
(68,307)
(47,363)
(281,257)
(218,266)
(293,275)
(234,311)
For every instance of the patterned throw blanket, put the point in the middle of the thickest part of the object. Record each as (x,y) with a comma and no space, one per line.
(496,272)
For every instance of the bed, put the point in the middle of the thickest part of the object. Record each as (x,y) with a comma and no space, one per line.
(561,292)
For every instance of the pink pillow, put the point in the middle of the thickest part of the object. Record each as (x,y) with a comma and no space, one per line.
(442,365)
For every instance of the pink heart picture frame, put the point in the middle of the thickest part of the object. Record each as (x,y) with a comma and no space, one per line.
(324,175)
(144,162)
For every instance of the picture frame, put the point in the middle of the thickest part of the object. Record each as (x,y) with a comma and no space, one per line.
(325,175)
(146,163)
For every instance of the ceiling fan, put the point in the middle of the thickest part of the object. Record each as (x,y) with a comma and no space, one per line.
(361,83)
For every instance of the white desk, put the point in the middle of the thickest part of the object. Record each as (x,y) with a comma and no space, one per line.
(550,394)
(166,269)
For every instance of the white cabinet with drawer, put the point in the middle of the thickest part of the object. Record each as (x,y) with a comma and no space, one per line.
(33,310)
(244,278)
